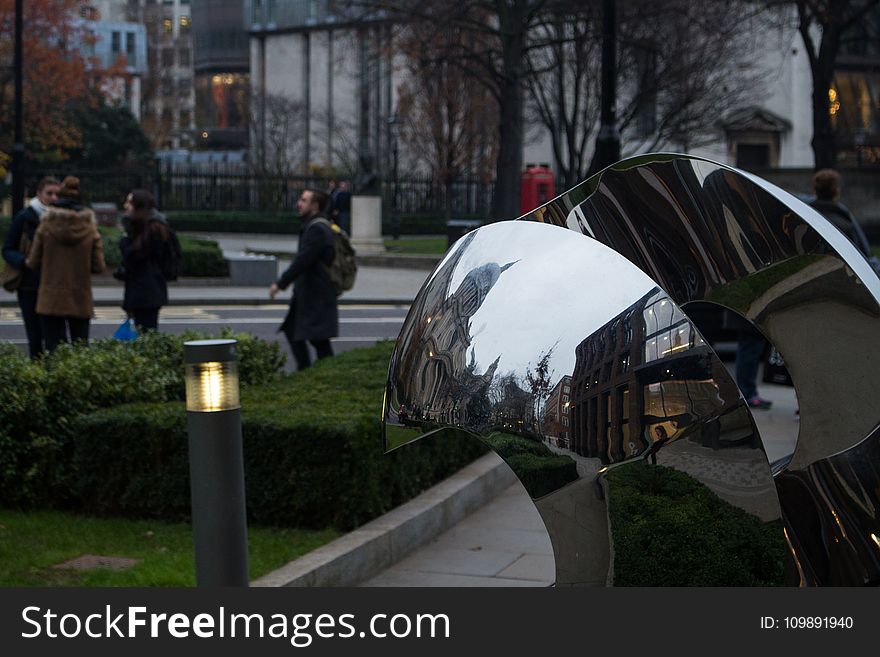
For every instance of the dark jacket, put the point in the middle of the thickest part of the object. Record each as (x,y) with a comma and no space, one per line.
(844,220)
(68,250)
(313,313)
(26,221)
(145,286)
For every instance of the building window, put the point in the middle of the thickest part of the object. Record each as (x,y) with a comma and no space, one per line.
(185,119)
(168,25)
(753,156)
(167,87)
(130,52)
(565,420)
(115,43)
(88,12)
(167,57)
(183,57)
(184,23)
(184,87)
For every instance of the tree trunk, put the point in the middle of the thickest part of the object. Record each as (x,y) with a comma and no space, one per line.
(823,143)
(508,168)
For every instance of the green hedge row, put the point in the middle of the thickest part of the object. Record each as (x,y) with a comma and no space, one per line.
(261,222)
(42,401)
(312,448)
(200,257)
(235,222)
(540,470)
(671,530)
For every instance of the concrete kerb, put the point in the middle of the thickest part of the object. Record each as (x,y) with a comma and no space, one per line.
(368,550)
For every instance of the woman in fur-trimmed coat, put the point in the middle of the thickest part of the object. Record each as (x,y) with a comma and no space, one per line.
(67,250)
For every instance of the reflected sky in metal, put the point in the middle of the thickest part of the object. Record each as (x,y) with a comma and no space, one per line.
(573,347)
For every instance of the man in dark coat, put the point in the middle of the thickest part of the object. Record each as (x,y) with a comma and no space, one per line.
(313,313)
(826,184)
(25,224)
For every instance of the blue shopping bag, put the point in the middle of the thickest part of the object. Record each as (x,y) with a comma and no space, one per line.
(126,331)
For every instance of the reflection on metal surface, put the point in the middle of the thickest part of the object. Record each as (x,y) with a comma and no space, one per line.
(572,359)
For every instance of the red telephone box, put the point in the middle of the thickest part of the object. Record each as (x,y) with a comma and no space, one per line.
(536,187)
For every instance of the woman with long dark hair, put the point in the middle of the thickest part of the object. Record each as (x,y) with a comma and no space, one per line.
(142,248)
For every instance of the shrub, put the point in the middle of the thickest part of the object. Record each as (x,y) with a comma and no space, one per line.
(312,448)
(289,224)
(200,257)
(236,222)
(41,401)
(26,446)
(670,530)
(540,470)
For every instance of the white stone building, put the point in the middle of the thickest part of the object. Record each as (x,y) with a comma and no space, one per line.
(344,78)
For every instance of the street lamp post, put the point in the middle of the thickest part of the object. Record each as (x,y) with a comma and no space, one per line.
(608,139)
(18,119)
(216,463)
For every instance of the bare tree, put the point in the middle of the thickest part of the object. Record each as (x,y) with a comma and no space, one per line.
(679,68)
(564,91)
(496,37)
(278,129)
(448,118)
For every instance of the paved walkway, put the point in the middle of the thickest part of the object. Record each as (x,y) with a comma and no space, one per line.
(505,543)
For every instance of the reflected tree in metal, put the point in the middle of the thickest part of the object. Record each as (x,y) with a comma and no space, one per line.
(562,340)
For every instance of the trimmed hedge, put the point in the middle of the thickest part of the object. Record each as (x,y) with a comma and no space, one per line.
(312,448)
(540,470)
(671,530)
(40,402)
(200,257)
(236,222)
(289,223)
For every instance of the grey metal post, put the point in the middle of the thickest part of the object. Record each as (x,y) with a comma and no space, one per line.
(216,467)
(18,115)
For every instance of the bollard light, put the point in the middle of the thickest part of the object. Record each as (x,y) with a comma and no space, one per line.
(212,386)
(216,462)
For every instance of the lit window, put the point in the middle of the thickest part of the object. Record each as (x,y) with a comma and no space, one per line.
(185,23)
(833,102)
(168,25)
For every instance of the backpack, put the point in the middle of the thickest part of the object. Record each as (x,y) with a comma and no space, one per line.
(171,256)
(343,270)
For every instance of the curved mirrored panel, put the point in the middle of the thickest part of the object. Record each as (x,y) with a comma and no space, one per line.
(579,365)
(706,232)
(568,361)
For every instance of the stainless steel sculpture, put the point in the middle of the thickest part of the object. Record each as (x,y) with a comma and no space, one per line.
(562,340)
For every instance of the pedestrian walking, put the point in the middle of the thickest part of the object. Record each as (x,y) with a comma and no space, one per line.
(313,315)
(750,349)
(16,247)
(827,187)
(67,250)
(340,206)
(142,248)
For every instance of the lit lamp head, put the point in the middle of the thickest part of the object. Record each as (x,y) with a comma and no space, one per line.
(211,370)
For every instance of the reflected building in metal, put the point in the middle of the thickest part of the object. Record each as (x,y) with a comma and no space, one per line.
(593,289)
(643,379)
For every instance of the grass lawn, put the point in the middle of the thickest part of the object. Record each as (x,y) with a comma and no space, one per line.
(31,543)
(429,245)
